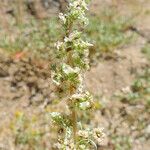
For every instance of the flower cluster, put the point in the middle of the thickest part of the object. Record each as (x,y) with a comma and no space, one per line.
(72,53)
(68,74)
(88,135)
(76,12)
(85,139)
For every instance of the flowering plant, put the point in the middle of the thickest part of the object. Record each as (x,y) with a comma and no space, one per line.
(68,74)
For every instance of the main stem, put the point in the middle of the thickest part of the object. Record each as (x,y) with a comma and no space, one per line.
(74,125)
(73,109)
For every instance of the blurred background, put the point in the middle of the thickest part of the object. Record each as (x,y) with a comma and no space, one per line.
(119,77)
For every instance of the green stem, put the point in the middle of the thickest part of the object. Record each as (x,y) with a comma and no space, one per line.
(73,110)
(74,125)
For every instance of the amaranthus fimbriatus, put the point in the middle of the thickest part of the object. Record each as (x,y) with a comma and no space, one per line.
(68,74)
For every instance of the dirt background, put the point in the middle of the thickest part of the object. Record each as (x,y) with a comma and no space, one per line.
(25,84)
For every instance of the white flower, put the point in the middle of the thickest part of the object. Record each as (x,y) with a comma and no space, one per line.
(83,133)
(77,96)
(68,69)
(55,114)
(81,95)
(58,44)
(74,35)
(67,39)
(89,44)
(62,17)
(84,105)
